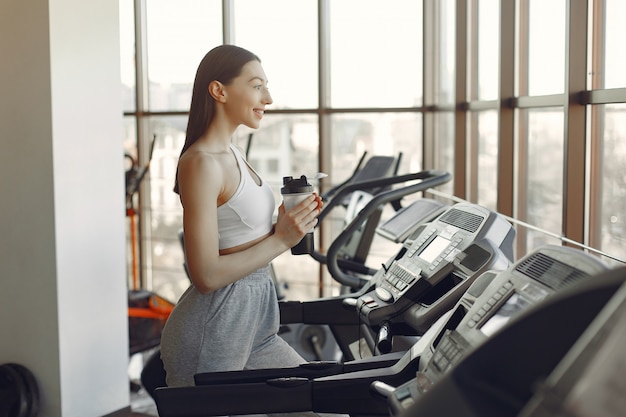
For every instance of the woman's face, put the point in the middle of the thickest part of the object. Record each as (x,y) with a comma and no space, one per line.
(247,95)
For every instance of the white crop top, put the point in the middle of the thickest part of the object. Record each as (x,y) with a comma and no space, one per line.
(247,215)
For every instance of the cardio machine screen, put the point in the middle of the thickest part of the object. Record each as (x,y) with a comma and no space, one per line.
(510,308)
(434,249)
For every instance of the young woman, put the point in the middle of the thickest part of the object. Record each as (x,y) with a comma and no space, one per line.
(228,318)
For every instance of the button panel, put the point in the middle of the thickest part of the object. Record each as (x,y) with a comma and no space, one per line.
(488,306)
(397,279)
(447,354)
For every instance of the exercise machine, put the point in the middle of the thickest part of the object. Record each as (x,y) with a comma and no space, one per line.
(541,363)
(477,239)
(153,375)
(493,300)
(435,265)
(589,380)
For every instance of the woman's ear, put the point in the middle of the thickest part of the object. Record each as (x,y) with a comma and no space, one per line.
(216,89)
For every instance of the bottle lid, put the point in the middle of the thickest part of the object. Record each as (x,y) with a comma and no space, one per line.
(296,185)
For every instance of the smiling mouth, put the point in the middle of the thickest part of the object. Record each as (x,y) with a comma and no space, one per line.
(259,112)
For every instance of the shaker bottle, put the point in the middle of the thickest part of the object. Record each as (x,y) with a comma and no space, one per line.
(295,190)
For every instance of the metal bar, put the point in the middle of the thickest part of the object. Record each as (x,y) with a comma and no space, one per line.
(460,115)
(574,169)
(506,114)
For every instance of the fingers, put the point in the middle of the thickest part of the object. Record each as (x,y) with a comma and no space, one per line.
(304,215)
(294,223)
(309,204)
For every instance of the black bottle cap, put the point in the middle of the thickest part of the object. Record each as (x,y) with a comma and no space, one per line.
(296,185)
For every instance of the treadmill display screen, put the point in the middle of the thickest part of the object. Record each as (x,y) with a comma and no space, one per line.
(510,308)
(434,249)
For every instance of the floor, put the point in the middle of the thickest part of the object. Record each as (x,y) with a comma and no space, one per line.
(142,405)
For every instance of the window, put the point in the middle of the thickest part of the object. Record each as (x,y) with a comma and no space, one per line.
(179,34)
(546,40)
(487,125)
(477,88)
(543,183)
(614,62)
(283,33)
(610,185)
(375,53)
(487,54)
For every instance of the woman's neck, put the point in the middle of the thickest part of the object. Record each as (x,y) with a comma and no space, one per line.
(218,137)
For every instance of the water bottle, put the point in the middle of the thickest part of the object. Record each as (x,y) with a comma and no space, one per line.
(295,190)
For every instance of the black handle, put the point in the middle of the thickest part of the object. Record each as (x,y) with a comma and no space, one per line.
(428,179)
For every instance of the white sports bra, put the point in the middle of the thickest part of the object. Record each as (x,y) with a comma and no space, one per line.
(247,215)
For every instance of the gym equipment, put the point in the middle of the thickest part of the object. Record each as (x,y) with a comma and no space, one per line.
(353,253)
(500,377)
(134,176)
(488,305)
(376,167)
(153,375)
(414,287)
(346,256)
(147,311)
(19,392)
(147,314)
(477,240)
(589,380)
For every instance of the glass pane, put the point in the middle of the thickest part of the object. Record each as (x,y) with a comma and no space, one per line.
(127,54)
(488,44)
(488,159)
(615,64)
(168,275)
(445,72)
(283,33)
(444,158)
(613,183)
(544,182)
(546,45)
(371,65)
(286,145)
(179,35)
(376,134)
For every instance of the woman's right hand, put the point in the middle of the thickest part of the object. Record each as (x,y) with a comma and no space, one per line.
(292,225)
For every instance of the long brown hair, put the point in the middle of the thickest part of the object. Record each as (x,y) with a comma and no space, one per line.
(222,63)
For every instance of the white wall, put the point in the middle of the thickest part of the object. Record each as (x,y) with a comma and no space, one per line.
(63,293)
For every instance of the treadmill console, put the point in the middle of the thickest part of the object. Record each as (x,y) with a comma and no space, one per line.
(458,245)
(492,300)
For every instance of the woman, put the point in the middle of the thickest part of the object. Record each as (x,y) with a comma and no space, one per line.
(228,318)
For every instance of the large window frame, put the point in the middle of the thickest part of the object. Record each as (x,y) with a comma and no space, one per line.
(581,102)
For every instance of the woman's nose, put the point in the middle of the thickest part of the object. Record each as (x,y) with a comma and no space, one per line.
(268,97)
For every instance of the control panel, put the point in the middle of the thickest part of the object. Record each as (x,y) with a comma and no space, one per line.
(458,245)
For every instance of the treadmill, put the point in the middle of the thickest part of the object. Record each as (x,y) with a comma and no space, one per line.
(431,271)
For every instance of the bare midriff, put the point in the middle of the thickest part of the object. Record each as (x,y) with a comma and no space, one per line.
(244,246)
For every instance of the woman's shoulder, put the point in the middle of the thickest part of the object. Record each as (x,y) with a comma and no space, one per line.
(200,161)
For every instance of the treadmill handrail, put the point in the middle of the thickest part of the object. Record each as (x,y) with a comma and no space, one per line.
(429,179)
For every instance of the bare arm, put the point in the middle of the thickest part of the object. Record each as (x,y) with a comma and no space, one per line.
(200,183)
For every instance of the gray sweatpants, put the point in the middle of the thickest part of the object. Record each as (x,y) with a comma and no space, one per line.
(229,329)
(232,328)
